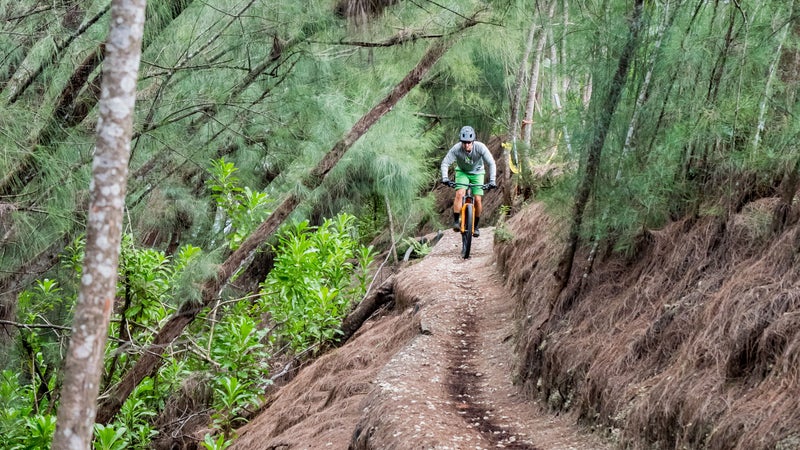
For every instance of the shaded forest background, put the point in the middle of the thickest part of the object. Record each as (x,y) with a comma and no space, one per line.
(622,117)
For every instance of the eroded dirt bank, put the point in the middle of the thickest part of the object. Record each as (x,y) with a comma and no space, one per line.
(693,341)
(433,373)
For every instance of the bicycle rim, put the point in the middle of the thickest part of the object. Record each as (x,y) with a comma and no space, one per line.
(466,231)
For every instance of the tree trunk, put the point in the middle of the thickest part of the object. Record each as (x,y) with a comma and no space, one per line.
(672,78)
(84,360)
(605,110)
(516,96)
(563,47)
(791,177)
(150,361)
(527,122)
(762,108)
(379,297)
(64,116)
(645,89)
(696,158)
(558,86)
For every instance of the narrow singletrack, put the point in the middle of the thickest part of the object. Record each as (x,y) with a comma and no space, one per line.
(451,387)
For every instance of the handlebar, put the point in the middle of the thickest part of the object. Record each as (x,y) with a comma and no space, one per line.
(486,187)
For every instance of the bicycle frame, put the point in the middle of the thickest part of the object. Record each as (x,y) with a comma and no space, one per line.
(467,217)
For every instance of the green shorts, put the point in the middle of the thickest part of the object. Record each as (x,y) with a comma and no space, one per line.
(470,178)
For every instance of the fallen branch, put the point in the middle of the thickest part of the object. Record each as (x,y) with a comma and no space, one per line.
(379,297)
(31,326)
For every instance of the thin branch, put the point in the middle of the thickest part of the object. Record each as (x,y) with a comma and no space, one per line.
(392,248)
(398,39)
(28,14)
(463,16)
(32,326)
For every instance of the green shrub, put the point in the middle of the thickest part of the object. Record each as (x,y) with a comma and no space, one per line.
(109,437)
(241,208)
(309,290)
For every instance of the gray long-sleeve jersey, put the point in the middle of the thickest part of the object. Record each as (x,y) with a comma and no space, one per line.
(471,162)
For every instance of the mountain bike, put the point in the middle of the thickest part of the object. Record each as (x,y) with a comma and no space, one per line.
(467,215)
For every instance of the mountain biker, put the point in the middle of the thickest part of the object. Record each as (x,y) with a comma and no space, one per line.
(469,156)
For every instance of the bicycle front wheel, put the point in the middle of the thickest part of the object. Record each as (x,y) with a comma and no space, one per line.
(466,230)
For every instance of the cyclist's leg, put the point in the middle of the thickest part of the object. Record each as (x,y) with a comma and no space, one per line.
(478,194)
(460,177)
(458,200)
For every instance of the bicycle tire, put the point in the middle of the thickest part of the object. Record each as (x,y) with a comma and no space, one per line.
(466,230)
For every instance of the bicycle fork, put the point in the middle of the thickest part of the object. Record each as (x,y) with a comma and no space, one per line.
(467,216)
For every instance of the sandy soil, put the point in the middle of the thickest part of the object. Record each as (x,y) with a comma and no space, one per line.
(434,372)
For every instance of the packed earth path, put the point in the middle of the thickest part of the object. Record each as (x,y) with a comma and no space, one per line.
(434,372)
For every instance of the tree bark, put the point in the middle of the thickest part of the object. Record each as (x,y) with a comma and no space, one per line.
(379,297)
(644,93)
(530,105)
(605,109)
(516,96)
(84,361)
(762,108)
(150,361)
(787,189)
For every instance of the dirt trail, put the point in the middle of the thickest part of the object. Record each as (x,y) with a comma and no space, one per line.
(435,374)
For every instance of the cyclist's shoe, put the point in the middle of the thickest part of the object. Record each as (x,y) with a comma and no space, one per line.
(456,226)
(476,232)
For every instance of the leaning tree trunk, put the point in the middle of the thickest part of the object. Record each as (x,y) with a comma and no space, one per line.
(533,87)
(762,108)
(605,108)
(644,92)
(150,361)
(84,361)
(516,97)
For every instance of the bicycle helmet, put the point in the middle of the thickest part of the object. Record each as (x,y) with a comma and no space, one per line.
(467,134)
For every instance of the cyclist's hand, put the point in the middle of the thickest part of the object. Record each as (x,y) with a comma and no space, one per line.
(448,182)
(490,185)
